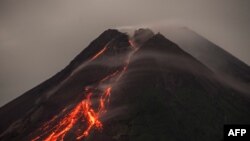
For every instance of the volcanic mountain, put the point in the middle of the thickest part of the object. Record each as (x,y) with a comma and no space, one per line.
(121,88)
(220,61)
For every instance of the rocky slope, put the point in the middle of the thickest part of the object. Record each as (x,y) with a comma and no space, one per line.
(121,88)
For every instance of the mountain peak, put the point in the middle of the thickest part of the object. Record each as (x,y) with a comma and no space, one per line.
(122,89)
(160,43)
(110,32)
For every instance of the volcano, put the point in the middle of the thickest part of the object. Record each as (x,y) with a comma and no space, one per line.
(133,88)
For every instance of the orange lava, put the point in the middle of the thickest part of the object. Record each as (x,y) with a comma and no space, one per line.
(91,116)
(65,125)
(98,54)
(83,110)
(83,117)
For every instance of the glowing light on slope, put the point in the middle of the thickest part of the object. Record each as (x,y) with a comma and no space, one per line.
(91,116)
(110,76)
(84,113)
(98,54)
(84,110)
(132,44)
(104,99)
(65,125)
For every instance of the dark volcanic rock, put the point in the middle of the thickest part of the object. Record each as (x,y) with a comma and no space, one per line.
(217,59)
(41,103)
(168,102)
(163,94)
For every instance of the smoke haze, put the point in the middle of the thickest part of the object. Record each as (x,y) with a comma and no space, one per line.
(40,37)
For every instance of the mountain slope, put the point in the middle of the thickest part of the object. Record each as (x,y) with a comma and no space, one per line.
(50,97)
(124,88)
(24,103)
(168,101)
(217,59)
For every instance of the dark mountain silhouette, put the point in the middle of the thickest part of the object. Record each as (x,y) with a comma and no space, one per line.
(123,88)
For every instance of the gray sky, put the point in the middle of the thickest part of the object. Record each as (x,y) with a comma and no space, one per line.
(40,37)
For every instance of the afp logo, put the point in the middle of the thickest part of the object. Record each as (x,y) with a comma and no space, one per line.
(236,132)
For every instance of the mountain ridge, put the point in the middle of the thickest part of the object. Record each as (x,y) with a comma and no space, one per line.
(210,54)
(147,78)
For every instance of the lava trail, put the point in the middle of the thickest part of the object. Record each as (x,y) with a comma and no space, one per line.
(84,116)
(99,53)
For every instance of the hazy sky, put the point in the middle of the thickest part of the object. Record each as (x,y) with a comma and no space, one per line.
(40,37)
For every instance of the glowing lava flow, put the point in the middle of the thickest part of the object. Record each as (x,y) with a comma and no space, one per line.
(82,117)
(84,110)
(98,54)
(65,125)
(92,116)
